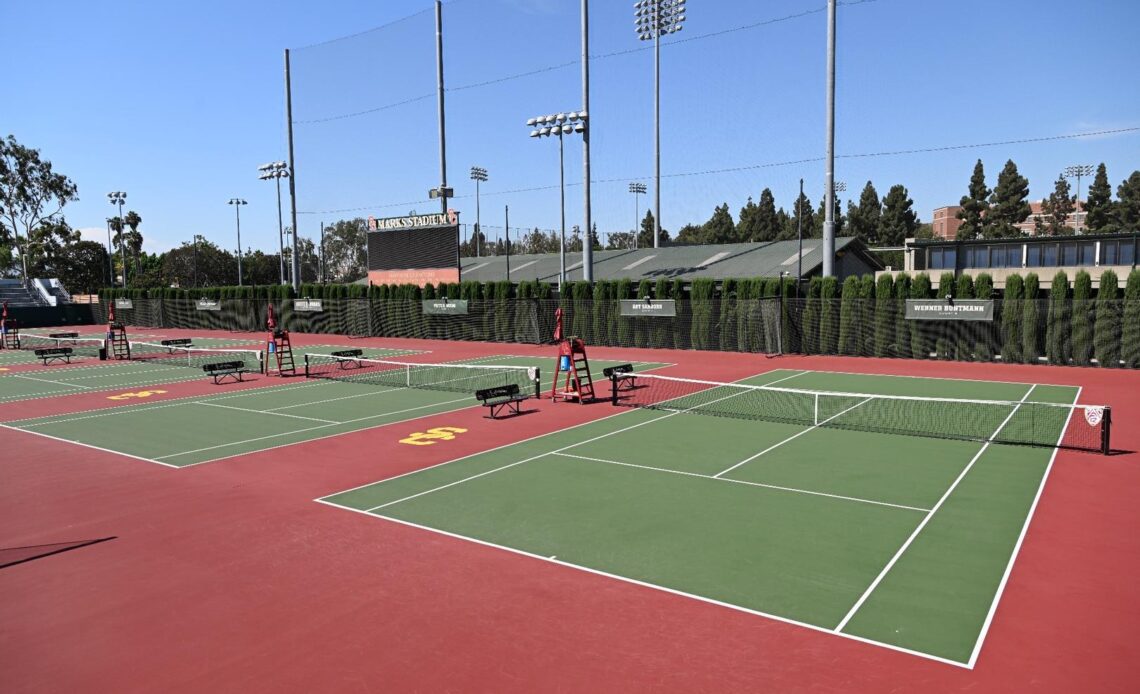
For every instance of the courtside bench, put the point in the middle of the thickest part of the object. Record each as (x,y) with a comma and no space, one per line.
(622,376)
(500,397)
(48,354)
(225,369)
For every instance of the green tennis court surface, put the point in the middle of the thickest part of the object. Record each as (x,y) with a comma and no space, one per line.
(201,429)
(900,540)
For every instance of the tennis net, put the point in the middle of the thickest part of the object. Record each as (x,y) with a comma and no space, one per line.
(85,346)
(194,357)
(461,378)
(1085,427)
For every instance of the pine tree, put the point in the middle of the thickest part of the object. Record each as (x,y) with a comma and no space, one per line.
(1107,339)
(720,228)
(901,346)
(899,220)
(1100,215)
(767,221)
(746,227)
(1128,203)
(1031,321)
(1011,310)
(804,210)
(975,205)
(645,236)
(848,316)
(1082,319)
(884,315)
(811,317)
(1009,203)
(919,289)
(863,219)
(829,315)
(1057,327)
(1056,210)
(837,215)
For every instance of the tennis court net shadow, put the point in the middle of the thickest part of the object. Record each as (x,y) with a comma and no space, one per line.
(11,556)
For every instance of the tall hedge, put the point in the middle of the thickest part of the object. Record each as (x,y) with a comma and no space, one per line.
(659,330)
(829,316)
(1082,319)
(811,317)
(849,307)
(1107,338)
(884,320)
(901,346)
(964,332)
(919,289)
(1031,320)
(1011,309)
(624,333)
(684,313)
(729,303)
(1130,338)
(1058,330)
(702,293)
(945,330)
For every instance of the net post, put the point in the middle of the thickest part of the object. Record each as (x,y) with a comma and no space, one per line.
(614,388)
(537,383)
(1105,432)
(815,419)
(307,366)
(408,376)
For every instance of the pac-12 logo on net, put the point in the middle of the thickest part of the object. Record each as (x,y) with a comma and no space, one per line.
(1093,415)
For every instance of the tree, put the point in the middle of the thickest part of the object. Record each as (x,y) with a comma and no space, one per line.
(1130,339)
(1082,319)
(863,219)
(307,252)
(975,204)
(46,244)
(200,264)
(1128,203)
(1058,330)
(619,240)
(1100,212)
(1055,210)
(1031,321)
(690,234)
(801,209)
(645,236)
(1011,314)
(899,220)
(884,315)
(83,266)
(964,290)
(1009,203)
(346,254)
(837,215)
(117,241)
(720,227)
(766,223)
(746,227)
(474,246)
(1107,335)
(134,239)
(30,193)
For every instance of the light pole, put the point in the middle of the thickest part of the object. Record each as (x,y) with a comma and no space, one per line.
(800,234)
(637,189)
(110,254)
(560,125)
(118,198)
(653,19)
(237,203)
(321,258)
(829,173)
(197,240)
(1077,171)
(277,170)
(479,175)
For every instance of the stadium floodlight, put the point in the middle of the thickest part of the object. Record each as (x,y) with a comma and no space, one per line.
(637,189)
(237,203)
(277,170)
(1077,171)
(652,20)
(479,175)
(561,126)
(116,198)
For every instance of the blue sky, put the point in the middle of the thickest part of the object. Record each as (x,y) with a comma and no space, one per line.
(178,103)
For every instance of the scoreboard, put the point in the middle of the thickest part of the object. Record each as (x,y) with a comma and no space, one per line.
(418,250)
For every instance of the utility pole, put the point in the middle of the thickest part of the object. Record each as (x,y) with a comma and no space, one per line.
(829,177)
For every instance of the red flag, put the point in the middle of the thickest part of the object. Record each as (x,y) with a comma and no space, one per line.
(558,325)
(271,323)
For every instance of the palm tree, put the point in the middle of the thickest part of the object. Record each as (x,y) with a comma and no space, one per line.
(134,238)
(118,240)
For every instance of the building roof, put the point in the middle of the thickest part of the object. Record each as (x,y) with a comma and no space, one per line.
(720,261)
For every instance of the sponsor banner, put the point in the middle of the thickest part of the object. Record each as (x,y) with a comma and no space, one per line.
(208,305)
(666,308)
(451,218)
(311,305)
(445,307)
(941,309)
(124,303)
(418,277)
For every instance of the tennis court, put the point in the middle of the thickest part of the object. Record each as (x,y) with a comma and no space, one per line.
(189,431)
(815,511)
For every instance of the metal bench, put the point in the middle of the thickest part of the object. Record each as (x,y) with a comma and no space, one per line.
(622,376)
(501,397)
(177,345)
(225,369)
(48,354)
(348,358)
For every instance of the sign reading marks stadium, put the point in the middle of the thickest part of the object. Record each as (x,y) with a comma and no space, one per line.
(312,305)
(445,307)
(666,308)
(414,221)
(124,303)
(208,305)
(941,309)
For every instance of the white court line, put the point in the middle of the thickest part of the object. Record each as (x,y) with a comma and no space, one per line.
(271,414)
(790,438)
(886,569)
(942,378)
(87,445)
(1017,546)
(319,426)
(793,490)
(646,584)
(44,380)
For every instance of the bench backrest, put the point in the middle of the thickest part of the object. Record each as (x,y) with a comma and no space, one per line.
(53,351)
(64,336)
(223,366)
(348,353)
(498,392)
(620,369)
(178,342)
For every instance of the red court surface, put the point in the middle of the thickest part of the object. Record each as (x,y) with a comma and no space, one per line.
(228,577)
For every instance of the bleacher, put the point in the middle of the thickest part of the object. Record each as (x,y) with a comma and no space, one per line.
(16,293)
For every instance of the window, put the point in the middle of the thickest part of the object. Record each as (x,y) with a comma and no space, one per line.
(1078,253)
(943,258)
(1121,252)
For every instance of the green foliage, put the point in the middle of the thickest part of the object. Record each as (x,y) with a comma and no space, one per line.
(1128,203)
(964,289)
(863,219)
(1058,331)
(1009,203)
(720,228)
(758,221)
(848,318)
(829,316)
(899,220)
(945,343)
(867,315)
(1031,320)
(884,316)
(1056,210)
(1011,313)
(1100,211)
(901,346)
(703,298)
(1130,338)
(1082,319)
(984,347)
(643,325)
(624,334)
(975,206)
(919,289)
(645,235)
(811,318)
(684,312)
(729,308)
(1106,343)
